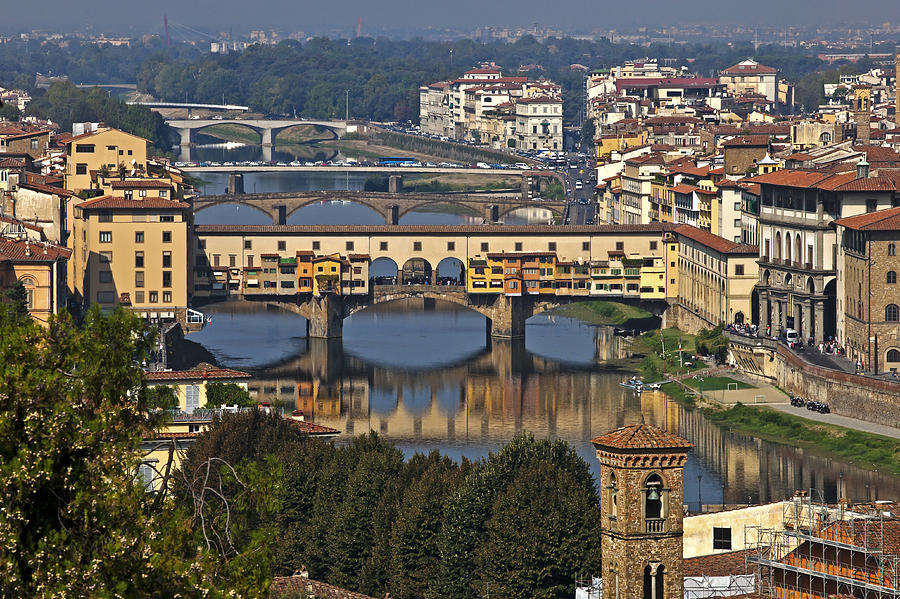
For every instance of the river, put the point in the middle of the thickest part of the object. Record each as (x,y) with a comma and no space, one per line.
(431,379)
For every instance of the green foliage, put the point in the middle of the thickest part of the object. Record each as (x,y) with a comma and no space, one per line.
(555,191)
(712,342)
(588,131)
(10,112)
(227,394)
(73,413)
(66,104)
(17,296)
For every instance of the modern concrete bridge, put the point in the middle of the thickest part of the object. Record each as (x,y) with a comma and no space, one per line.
(267,128)
(391,206)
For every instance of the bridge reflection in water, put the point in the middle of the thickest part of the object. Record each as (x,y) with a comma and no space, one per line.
(480,398)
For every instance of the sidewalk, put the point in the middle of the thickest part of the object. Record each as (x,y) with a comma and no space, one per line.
(845,421)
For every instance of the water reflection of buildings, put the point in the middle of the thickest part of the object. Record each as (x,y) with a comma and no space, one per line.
(503,389)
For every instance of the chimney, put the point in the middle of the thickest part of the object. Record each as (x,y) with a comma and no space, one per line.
(862,169)
(27,248)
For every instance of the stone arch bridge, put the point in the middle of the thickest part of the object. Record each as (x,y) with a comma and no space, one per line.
(391,206)
(506,315)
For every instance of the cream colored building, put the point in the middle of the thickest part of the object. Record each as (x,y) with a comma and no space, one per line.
(721,532)
(715,276)
(105,147)
(748,76)
(132,253)
(539,123)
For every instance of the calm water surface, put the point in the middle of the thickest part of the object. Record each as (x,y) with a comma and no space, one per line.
(432,379)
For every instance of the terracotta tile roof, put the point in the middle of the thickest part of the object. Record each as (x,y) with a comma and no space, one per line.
(12,162)
(715,242)
(301,586)
(883,220)
(15,221)
(311,428)
(752,69)
(718,564)
(47,189)
(869,184)
(747,140)
(684,188)
(205,371)
(146,203)
(142,184)
(540,100)
(641,436)
(792,178)
(31,251)
(434,229)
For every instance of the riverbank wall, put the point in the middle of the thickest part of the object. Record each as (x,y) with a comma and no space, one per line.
(865,398)
(684,319)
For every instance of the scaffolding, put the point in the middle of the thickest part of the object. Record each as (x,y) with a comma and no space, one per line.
(824,551)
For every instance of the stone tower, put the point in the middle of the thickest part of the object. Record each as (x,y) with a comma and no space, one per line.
(862,97)
(641,485)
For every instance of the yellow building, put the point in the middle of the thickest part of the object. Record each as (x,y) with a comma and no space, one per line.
(39,266)
(327,274)
(132,253)
(104,148)
(607,144)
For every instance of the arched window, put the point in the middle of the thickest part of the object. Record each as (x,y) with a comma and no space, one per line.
(891,277)
(825,138)
(653,581)
(892,313)
(893,355)
(653,503)
(892,249)
(613,496)
(29,285)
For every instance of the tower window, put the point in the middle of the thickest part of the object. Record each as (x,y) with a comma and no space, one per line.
(653,503)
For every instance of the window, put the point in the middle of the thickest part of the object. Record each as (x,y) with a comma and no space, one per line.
(105,256)
(316,245)
(164,193)
(653,245)
(382,246)
(250,260)
(417,246)
(721,538)
(106,276)
(248,244)
(81,168)
(167,259)
(653,506)
(232,260)
(167,278)
(105,236)
(167,297)
(892,313)
(585,246)
(871,205)
(613,496)
(154,297)
(139,297)
(892,277)
(139,259)
(106,297)
(129,194)
(34,144)
(191,398)
(739,269)
(139,237)
(166,218)
(282,246)
(167,237)
(484,246)
(551,246)
(201,244)
(143,193)
(139,278)
(518,246)
(105,216)
(620,246)
(893,355)
(84,148)
(892,249)
(349,246)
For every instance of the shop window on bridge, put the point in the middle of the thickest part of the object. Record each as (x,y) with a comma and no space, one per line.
(551,247)
(518,246)
(382,246)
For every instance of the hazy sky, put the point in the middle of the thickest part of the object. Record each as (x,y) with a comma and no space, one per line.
(306,15)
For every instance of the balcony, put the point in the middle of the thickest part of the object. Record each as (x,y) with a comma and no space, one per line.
(655,524)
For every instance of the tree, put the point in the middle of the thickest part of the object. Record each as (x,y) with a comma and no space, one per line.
(227,394)
(540,536)
(10,112)
(17,296)
(73,412)
(588,131)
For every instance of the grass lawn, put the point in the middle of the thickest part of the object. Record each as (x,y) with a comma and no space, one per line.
(600,312)
(716,383)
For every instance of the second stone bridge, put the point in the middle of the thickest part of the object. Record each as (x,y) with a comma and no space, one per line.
(391,206)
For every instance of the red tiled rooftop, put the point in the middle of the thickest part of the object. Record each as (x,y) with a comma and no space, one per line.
(719,564)
(210,372)
(146,203)
(747,140)
(883,220)
(31,251)
(753,69)
(142,184)
(641,436)
(715,242)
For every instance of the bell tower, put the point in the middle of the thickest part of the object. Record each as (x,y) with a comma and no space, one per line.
(641,486)
(862,98)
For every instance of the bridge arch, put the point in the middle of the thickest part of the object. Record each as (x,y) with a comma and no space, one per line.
(447,201)
(200,207)
(317,129)
(507,210)
(294,212)
(417,271)
(451,268)
(384,271)
(255,130)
